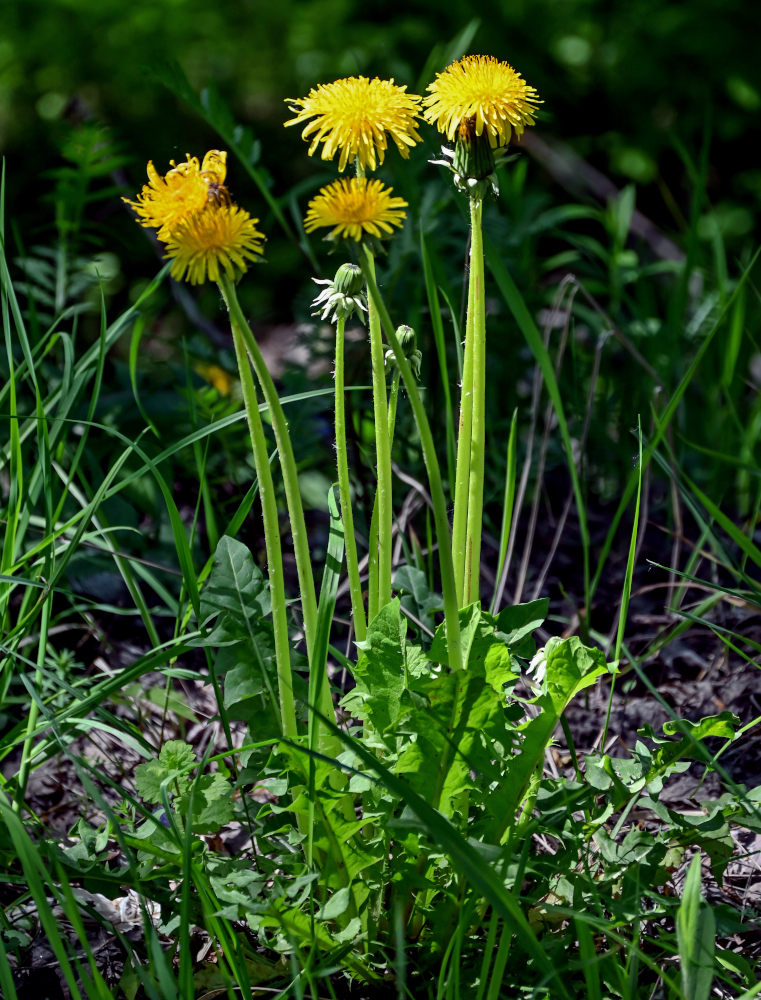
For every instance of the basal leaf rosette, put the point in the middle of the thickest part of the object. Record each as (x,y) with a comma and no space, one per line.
(355,209)
(355,117)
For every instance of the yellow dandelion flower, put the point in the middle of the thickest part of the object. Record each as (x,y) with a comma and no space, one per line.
(481,94)
(221,237)
(222,380)
(166,201)
(355,207)
(355,116)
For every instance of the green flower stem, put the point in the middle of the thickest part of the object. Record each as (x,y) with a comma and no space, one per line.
(431,462)
(372,564)
(372,561)
(350,544)
(462,469)
(393,398)
(287,465)
(290,482)
(477,328)
(269,516)
(380,593)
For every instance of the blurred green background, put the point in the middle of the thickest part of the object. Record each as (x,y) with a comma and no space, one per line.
(647,105)
(661,97)
(625,82)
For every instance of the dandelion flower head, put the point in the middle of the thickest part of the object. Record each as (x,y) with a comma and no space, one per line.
(481,94)
(221,237)
(354,208)
(355,115)
(166,201)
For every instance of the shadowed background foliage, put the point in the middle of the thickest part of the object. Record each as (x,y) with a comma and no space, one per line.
(624,83)
(641,91)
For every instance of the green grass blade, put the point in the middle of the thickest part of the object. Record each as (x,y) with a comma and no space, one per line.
(696,936)
(589,961)
(523,318)
(319,688)
(508,502)
(134,354)
(738,536)
(627,589)
(441,352)
(38,878)
(444,53)
(664,423)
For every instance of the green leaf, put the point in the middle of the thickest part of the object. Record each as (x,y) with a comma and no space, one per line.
(336,905)
(176,755)
(500,667)
(520,620)
(417,598)
(471,619)
(488,881)
(148,779)
(570,666)
(235,584)
(564,667)
(248,698)
(467,717)
(722,725)
(689,746)
(211,798)
(379,672)
(174,761)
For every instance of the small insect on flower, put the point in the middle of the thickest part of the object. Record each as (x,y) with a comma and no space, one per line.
(167,201)
(217,193)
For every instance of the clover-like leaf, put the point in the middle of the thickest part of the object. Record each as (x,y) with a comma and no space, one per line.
(211,797)
(174,760)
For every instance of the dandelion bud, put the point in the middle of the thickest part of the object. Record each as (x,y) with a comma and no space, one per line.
(473,155)
(408,342)
(349,280)
(342,296)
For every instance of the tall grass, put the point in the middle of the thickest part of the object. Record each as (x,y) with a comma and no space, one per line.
(406,828)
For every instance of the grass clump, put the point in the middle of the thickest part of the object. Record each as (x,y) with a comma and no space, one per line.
(288,785)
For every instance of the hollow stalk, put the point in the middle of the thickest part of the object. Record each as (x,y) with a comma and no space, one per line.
(438,500)
(477,328)
(290,481)
(344,490)
(269,515)
(379,587)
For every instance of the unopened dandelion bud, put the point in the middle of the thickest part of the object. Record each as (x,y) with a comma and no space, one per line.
(408,342)
(349,279)
(342,296)
(407,339)
(473,155)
